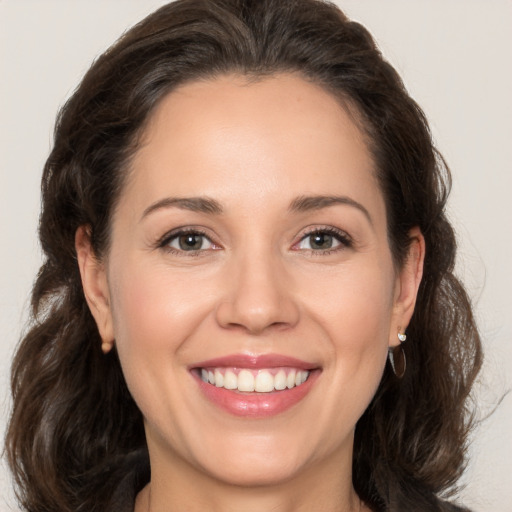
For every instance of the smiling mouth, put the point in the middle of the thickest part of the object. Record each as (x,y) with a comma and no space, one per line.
(255,386)
(247,380)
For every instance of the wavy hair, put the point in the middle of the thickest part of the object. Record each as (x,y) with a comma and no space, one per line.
(74,428)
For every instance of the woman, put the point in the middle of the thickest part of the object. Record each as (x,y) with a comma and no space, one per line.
(243,215)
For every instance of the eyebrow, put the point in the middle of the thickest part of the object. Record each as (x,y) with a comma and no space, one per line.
(211,206)
(194,204)
(311,203)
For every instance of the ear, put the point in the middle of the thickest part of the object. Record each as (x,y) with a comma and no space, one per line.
(407,284)
(95,286)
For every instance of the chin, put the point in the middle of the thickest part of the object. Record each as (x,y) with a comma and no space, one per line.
(256,460)
(254,473)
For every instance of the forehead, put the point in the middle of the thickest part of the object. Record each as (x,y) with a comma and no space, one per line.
(230,137)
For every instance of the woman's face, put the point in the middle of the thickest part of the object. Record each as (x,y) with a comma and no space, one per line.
(249,247)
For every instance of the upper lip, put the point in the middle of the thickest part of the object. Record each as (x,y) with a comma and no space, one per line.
(255,361)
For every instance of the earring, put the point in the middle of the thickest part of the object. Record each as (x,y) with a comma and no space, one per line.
(107,346)
(396,357)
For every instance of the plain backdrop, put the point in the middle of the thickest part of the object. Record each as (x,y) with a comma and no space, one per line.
(455,57)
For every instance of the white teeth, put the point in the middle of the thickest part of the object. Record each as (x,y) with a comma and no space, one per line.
(280,380)
(230,380)
(245,381)
(219,379)
(260,381)
(264,382)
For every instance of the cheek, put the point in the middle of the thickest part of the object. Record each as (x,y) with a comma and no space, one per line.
(364,329)
(360,340)
(155,313)
(148,298)
(355,311)
(355,303)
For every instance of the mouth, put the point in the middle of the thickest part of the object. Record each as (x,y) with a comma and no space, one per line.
(248,380)
(255,386)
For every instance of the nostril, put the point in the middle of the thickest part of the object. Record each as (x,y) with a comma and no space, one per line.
(257,297)
(256,319)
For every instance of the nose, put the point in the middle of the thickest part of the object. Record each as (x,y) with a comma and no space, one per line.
(259,296)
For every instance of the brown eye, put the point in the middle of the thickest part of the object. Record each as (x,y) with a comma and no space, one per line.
(189,242)
(319,241)
(324,240)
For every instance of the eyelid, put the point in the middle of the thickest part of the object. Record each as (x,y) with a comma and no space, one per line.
(343,237)
(164,241)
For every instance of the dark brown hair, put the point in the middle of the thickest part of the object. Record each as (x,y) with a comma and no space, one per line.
(74,428)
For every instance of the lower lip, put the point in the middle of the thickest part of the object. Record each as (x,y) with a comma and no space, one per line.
(257,405)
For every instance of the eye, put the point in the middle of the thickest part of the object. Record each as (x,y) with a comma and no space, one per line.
(187,241)
(324,240)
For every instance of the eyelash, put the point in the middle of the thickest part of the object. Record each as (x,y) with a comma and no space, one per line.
(343,238)
(168,238)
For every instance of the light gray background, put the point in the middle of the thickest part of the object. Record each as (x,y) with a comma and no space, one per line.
(455,57)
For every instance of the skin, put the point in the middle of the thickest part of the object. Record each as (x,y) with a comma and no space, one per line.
(257,288)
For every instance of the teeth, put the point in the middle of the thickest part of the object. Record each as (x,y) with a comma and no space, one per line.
(260,381)
(264,382)
(230,380)
(280,380)
(245,381)
(301,377)
(219,379)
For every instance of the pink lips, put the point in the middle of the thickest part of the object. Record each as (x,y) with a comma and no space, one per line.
(255,405)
